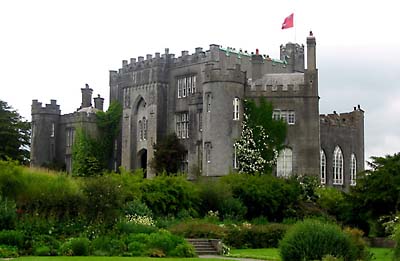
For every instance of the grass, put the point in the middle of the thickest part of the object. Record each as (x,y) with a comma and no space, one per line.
(95,258)
(272,254)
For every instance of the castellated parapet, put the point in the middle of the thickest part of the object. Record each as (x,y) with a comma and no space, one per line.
(51,108)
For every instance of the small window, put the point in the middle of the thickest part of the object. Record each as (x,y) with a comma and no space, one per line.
(274,88)
(140,130)
(235,160)
(284,116)
(185,162)
(208,152)
(200,114)
(236,105)
(353,170)
(208,102)
(144,128)
(276,115)
(291,118)
(322,167)
(182,125)
(284,87)
(53,130)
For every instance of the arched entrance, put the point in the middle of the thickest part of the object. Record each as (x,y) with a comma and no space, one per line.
(142,161)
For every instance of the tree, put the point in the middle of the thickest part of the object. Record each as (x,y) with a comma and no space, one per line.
(168,155)
(261,139)
(15,133)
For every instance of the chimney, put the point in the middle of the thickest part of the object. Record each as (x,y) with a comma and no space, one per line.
(98,102)
(311,53)
(86,96)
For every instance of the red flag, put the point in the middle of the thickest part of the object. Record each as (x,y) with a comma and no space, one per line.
(288,23)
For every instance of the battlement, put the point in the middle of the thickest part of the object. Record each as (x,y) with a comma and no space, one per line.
(51,108)
(216,74)
(348,119)
(278,83)
(78,117)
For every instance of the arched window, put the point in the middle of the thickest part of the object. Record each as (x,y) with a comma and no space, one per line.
(322,168)
(337,166)
(284,163)
(140,130)
(236,109)
(353,170)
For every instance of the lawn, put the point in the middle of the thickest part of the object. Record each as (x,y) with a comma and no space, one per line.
(95,258)
(381,254)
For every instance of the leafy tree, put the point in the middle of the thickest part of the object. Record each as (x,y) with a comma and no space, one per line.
(168,155)
(378,191)
(261,140)
(15,134)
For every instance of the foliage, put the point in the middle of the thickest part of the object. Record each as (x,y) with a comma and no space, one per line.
(313,239)
(45,245)
(109,124)
(168,155)
(86,155)
(11,180)
(107,246)
(75,247)
(356,236)
(104,198)
(265,195)
(183,249)
(168,195)
(255,236)
(261,139)
(377,191)
(8,213)
(14,134)
(11,238)
(8,251)
(198,229)
(136,207)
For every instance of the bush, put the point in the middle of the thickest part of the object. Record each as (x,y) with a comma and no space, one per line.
(8,251)
(11,238)
(129,228)
(107,246)
(312,240)
(163,240)
(139,208)
(256,236)
(42,251)
(198,229)
(184,250)
(45,245)
(75,247)
(356,236)
(137,249)
(8,213)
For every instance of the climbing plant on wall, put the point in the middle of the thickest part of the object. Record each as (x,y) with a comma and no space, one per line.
(261,139)
(92,155)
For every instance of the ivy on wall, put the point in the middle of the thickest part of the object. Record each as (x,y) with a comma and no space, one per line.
(261,139)
(93,155)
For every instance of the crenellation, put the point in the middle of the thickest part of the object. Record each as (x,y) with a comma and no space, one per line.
(347,119)
(52,108)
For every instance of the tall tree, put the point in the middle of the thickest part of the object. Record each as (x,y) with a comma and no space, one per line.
(262,138)
(15,133)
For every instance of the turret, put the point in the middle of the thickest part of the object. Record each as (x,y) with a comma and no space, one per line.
(293,54)
(311,53)
(86,96)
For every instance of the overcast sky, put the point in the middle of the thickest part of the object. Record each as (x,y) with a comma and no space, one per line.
(50,49)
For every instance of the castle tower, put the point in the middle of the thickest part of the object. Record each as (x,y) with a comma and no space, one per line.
(45,122)
(293,54)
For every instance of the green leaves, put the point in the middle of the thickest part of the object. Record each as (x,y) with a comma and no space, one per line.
(261,140)
(14,134)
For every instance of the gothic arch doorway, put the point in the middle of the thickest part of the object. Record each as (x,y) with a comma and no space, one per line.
(142,161)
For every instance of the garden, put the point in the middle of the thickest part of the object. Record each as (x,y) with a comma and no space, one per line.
(44,213)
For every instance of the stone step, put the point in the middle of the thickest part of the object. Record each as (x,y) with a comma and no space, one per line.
(203,246)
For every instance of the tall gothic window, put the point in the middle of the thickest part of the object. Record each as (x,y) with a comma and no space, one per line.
(337,166)
(53,130)
(284,163)
(186,86)
(322,168)
(353,170)
(236,104)
(235,160)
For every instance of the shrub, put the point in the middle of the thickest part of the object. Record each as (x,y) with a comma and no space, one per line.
(137,249)
(129,228)
(107,246)
(75,247)
(312,240)
(139,208)
(42,251)
(184,250)
(8,251)
(256,236)
(163,240)
(356,236)
(45,245)
(11,238)
(8,213)
(198,229)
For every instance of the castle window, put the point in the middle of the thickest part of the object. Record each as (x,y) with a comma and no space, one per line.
(140,130)
(182,125)
(337,166)
(322,168)
(353,170)
(274,88)
(52,130)
(236,105)
(284,163)
(276,115)
(284,87)
(235,160)
(290,87)
(208,102)
(291,117)
(70,137)
(200,120)
(284,116)
(185,162)
(144,122)
(208,151)
(186,86)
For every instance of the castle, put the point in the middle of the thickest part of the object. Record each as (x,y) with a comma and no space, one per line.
(198,96)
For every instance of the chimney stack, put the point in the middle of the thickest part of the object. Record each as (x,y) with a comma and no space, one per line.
(86,96)
(98,102)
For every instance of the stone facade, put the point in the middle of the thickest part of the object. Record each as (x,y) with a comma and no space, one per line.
(198,96)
